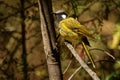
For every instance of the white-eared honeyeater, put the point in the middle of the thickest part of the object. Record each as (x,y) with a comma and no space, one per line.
(72,31)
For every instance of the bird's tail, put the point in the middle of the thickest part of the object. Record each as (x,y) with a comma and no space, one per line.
(88,54)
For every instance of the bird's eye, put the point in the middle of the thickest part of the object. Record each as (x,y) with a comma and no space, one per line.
(63,16)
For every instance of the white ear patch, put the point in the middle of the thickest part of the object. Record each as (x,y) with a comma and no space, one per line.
(63,16)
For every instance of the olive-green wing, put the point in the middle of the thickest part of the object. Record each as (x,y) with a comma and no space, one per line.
(76,27)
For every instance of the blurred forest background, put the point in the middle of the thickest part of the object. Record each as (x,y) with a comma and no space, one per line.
(21,46)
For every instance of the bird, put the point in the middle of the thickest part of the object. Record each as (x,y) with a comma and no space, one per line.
(72,31)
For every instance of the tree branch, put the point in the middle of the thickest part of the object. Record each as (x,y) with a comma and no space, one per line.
(82,63)
(24,52)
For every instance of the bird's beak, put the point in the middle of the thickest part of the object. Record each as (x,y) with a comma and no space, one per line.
(53,13)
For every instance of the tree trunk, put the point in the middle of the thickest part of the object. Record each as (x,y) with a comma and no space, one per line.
(48,35)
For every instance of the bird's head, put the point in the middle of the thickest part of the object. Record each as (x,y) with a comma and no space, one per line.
(60,15)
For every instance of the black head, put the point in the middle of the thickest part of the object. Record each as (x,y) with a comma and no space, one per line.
(60,15)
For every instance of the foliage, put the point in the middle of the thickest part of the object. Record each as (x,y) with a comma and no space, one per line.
(113,76)
(116,37)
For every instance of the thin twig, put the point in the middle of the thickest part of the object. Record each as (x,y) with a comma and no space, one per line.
(16,12)
(106,52)
(67,67)
(74,73)
(110,61)
(104,61)
(87,7)
(82,63)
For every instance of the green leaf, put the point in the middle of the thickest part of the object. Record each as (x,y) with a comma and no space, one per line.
(113,76)
(117,64)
